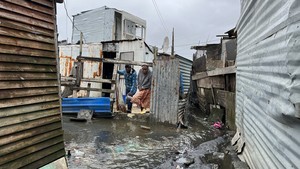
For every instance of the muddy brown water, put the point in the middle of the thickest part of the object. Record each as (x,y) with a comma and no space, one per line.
(122,143)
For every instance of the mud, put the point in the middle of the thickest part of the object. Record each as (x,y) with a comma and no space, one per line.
(122,143)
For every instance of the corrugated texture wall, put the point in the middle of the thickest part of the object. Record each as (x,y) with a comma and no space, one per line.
(268,83)
(30,120)
(185,66)
(96,25)
(165,90)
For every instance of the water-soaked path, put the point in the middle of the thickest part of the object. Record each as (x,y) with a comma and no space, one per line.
(122,143)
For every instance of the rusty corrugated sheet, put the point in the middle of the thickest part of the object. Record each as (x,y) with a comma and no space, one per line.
(30,120)
(91,70)
(165,90)
(268,83)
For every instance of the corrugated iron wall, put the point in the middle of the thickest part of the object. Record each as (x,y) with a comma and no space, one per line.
(30,120)
(165,90)
(96,25)
(268,83)
(185,66)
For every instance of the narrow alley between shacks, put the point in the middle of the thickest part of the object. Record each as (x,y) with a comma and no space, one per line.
(111,84)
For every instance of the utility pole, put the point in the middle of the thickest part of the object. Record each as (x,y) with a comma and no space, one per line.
(172,50)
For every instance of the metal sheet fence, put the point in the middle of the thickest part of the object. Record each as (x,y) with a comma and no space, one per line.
(268,83)
(165,90)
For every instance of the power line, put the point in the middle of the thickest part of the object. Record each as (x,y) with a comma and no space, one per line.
(160,16)
(197,43)
(67,13)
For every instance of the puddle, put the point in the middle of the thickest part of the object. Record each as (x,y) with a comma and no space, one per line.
(119,143)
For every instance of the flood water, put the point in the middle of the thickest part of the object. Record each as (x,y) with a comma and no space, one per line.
(122,143)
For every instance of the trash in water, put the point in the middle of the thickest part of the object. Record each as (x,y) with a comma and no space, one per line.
(218,125)
(130,115)
(145,127)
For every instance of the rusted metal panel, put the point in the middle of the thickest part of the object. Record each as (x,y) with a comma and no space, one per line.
(30,130)
(91,70)
(165,90)
(268,85)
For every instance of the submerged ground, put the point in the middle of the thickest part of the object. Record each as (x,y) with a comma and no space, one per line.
(121,142)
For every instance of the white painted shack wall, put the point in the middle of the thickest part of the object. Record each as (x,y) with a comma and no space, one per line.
(67,56)
(268,83)
(97,25)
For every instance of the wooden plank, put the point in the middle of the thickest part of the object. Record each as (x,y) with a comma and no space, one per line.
(25,27)
(216,82)
(99,81)
(29,141)
(4,131)
(34,61)
(25,19)
(216,72)
(200,75)
(27,84)
(113,86)
(94,89)
(13,67)
(17,50)
(28,117)
(28,100)
(25,11)
(26,43)
(32,6)
(105,60)
(12,111)
(67,79)
(27,76)
(31,150)
(14,93)
(25,35)
(29,133)
(222,71)
(46,160)
(46,3)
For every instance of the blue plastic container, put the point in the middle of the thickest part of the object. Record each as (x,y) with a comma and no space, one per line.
(100,106)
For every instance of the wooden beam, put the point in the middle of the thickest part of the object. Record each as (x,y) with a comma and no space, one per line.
(94,89)
(105,60)
(99,80)
(68,79)
(216,72)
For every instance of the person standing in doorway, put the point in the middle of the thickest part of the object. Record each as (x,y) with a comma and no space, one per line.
(130,84)
(142,97)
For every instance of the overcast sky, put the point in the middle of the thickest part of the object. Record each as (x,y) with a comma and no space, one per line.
(195,21)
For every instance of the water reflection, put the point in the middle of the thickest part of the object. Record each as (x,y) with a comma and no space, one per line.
(119,143)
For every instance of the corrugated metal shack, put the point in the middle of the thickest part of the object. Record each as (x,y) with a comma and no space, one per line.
(165,89)
(214,72)
(96,73)
(107,33)
(268,83)
(30,119)
(106,24)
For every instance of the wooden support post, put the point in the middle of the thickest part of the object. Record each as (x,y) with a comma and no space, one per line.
(114,77)
(88,91)
(80,52)
(74,93)
(172,50)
